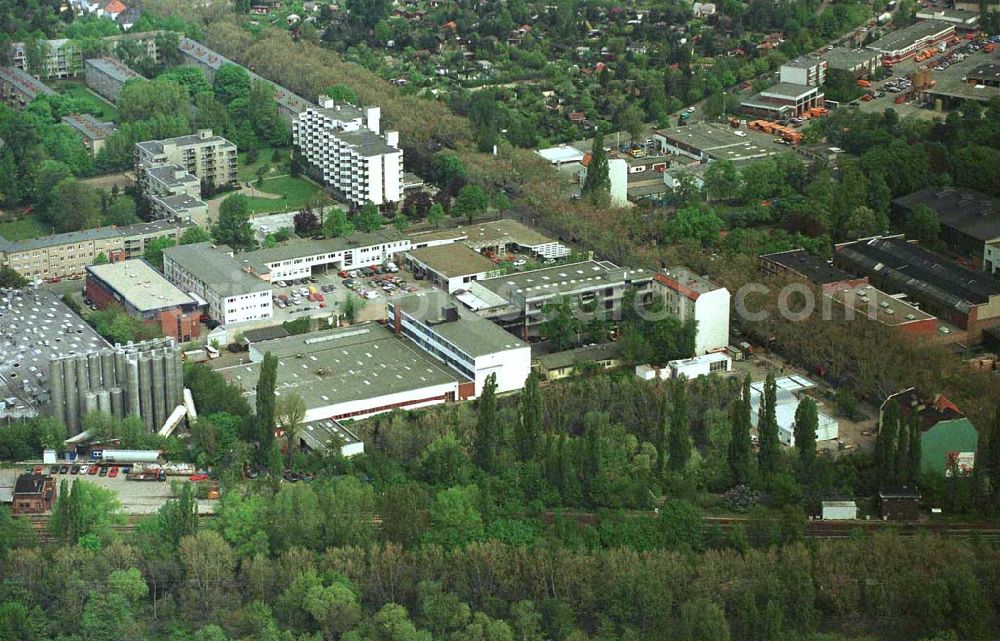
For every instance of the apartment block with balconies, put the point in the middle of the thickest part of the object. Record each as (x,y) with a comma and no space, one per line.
(344,144)
(208,157)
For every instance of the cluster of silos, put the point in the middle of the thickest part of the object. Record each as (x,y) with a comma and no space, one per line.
(140,379)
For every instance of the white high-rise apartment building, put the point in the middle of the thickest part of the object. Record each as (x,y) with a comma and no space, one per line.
(344,143)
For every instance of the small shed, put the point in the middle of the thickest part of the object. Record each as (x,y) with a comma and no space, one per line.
(840,511)
(901,503)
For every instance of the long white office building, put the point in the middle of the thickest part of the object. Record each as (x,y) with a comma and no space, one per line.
(464,341)
(345,144)
(212,274)
(298,258)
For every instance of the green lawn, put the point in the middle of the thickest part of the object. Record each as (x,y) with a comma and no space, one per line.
(294,192)
(248,171)
(27,227)
(79,90)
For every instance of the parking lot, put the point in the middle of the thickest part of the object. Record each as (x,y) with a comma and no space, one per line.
(948,69)
(136,497)
(295,299)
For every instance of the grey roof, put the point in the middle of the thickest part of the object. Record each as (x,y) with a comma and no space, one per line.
(342,111)
(919,272)
(87,235)
(112,68)
(140,285)
(341,365)
(788,90)
(561,280)
(367,143)
(466,330)
(452,260)
(179,203)
(219,271)
(589,353)
(989,72)
(803,62)
(156,146)
(970,212)
(907,36)
(90,127)
(24,82)
(849,59)
(321,435)
(265,334)
(167,174)
(812,268)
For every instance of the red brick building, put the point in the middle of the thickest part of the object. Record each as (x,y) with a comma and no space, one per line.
(145,294)
(34,494)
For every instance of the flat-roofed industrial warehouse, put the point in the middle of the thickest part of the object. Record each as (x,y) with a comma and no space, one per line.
(350,372)
(451,267)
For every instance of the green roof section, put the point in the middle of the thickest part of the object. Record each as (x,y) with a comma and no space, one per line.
(452,321)
(956,435)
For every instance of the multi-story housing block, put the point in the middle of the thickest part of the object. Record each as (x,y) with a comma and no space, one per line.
(107,76)
(688,296)
(208,157)
(18,87)
(56,58)
(66,254)
(344,144)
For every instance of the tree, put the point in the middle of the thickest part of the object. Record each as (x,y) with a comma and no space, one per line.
(74,206)
(697,223)
(806,424)
(352,307)
(703,620)
(923,223)
(446,169)
(683,525)
(561,325)
(680,438)
(121,211)
(487,427)
(84,510)
(597,183)
(862,222)
(417,204)
(178,517)
(195,234)
(630,120)
(739,442)
(454,518)
(369,218)
(400,223)
(767,428)
(154,251)
(146,100)
(436,214)
(470,202)
(191,77)
(265,420)
(365,14)
(233,228)
(290,413)
(342,94)
(336,224)
(916,452)
(722,180)
(231,82)
(902,467)
(11,279)
(529,426)
(886,441)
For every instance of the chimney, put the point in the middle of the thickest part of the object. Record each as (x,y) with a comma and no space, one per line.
(392,138)
(373,116)
(397,319)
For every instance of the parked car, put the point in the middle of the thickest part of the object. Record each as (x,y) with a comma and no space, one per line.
(54,469)
(113,472)
(74,469)
(520,262)
(63,469)
(104,471)
(92,471)
(84,469)
(195,478)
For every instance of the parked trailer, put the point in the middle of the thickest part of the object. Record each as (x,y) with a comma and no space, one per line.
(146,476)
(170,469)
(125,456)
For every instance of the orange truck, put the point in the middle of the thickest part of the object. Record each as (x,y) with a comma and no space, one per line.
(864,83)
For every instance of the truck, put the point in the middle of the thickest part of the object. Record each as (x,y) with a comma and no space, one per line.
(864,83)
(195,356)
(158,475)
